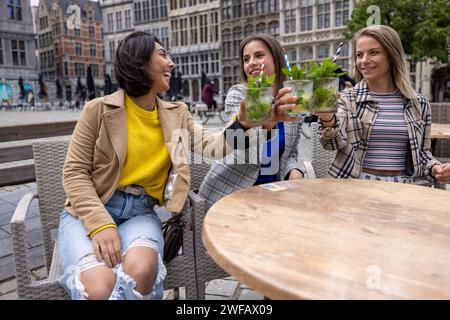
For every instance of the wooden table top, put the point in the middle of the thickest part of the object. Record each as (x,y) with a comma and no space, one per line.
(335,239)
(440,131)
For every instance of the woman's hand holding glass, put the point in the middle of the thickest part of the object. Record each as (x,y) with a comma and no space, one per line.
(280,109)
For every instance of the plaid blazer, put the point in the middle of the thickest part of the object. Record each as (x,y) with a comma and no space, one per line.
(223,179)
(356,115)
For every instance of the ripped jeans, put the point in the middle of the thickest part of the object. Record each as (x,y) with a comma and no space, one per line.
(138,225)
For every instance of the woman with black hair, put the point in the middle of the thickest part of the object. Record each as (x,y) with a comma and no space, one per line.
(123,150)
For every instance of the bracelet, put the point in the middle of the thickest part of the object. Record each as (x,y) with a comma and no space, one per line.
(106,226)
(332,118)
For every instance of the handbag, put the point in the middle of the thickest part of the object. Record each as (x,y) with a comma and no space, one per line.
(173,237)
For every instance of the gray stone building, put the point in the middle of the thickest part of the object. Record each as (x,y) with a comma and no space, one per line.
(313,29)
(17,50)
(195,44)
(118,17)
(241,18)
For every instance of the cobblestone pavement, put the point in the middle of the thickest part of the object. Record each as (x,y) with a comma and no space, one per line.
(221,289)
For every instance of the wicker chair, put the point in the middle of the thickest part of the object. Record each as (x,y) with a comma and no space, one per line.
(49,158)
(321,158)
(440,113)
(205,268)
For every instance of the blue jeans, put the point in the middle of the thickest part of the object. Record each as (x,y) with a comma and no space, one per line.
(135,219)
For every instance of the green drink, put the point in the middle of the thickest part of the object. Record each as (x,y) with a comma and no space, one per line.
(258,104)
(302,89)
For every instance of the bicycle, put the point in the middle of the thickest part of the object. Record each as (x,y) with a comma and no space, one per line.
(205,113)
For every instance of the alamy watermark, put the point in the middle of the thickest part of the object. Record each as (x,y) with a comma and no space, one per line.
(74,20)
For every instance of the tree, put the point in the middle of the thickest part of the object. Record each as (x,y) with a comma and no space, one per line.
(423,25)
(90,83)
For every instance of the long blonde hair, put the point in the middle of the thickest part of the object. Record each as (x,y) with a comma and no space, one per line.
(392,44)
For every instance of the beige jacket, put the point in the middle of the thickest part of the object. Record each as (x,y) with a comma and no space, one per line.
(98,149)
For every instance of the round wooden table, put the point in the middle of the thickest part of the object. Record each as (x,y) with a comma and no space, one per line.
(335,239)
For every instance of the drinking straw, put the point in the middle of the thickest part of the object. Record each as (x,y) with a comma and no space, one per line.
(287,62)
(262,71)
(338,52)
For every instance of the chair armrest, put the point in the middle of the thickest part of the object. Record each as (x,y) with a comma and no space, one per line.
(309,170)
(19,244)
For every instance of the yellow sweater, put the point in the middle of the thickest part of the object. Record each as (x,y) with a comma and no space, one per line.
(147,162)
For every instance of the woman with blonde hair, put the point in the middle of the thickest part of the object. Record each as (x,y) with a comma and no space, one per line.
(382,126)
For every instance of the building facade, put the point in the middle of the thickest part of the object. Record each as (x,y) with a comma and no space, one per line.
(118,17)
(241,18)
(195,44)
(311,30)
(69,38)
(17,50)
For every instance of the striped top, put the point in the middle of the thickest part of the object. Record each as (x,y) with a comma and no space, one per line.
(388,141)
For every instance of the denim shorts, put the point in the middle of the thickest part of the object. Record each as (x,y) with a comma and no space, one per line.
(136,219)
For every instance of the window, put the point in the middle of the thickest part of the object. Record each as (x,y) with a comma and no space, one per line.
(226,9)
(14,8)
(249,8)
(260,6)
(214,62)
(323,14)
(110,22)
(146,10)
(112,50)
(18,53)
(261,27)
(306,15)
(214,26)
(226,43)
(323,51)
(56,45)
(92,32)
(164,37)
(194,31)
(57,28)
(78,49)
(92,50)
(173,4)
(236,41)
(237,9)
(1,51)
(137,12)
(344,49)
(203,28)
(77,32)
(66,69)
(155,9)
(342,12)
(274,28)
(43,22)
(227,78)
(79,69)
(94,70)
(184,31)
(163,8)
(127,19)
(119,20)
(273,5)
(292,56)
(306,54)
(290,16)
(248,30)
(174,25)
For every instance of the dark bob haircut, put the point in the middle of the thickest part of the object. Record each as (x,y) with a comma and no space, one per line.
(131,62)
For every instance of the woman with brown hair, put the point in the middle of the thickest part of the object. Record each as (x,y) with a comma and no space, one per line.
(277,157)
